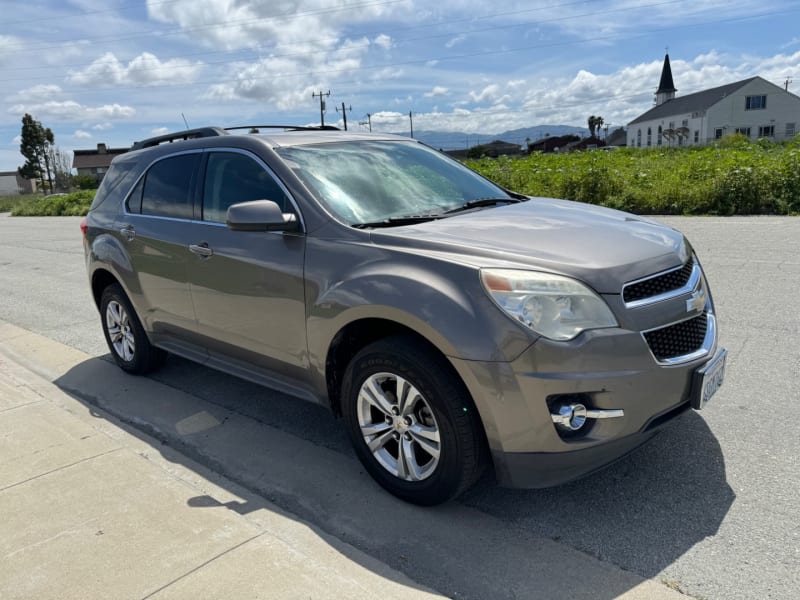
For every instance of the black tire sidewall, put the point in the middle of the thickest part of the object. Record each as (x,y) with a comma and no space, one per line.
(143,351)
(435,385)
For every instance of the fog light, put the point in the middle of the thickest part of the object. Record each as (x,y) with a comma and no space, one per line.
(570,417)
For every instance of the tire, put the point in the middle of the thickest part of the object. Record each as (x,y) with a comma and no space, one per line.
(124,334)
(427,447)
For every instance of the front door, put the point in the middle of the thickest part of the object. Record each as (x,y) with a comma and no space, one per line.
(247,286)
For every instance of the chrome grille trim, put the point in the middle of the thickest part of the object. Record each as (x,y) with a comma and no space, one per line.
(708,341)
(688,287)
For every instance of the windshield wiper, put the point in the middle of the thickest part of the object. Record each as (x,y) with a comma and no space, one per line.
(482,202)
(397,221)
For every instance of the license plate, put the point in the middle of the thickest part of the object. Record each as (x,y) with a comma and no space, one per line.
(709,379)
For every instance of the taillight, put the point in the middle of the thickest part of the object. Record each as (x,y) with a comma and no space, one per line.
(84,226)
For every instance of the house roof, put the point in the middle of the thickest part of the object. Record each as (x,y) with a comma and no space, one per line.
(666,84)
(97,157)
(691,102)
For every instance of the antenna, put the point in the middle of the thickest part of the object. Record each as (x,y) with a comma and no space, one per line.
(184,121)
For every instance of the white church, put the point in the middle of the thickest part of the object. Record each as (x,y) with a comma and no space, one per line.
(754,107)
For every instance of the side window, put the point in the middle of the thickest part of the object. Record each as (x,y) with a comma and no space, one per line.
(231,178)
(168,187)
(134,204)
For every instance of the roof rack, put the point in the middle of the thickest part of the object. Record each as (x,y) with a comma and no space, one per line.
(189,134)
(286,127)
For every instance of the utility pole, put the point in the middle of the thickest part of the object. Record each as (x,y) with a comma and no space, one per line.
(786,84)
(411,120)
(344,114)
(321,97)
(367,122)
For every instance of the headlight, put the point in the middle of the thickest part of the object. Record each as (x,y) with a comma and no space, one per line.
(556,307)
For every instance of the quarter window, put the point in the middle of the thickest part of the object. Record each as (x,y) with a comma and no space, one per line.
(168,187)
(231,178)
(755,102)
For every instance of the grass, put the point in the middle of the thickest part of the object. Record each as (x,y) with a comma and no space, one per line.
(73,204)
(733,177)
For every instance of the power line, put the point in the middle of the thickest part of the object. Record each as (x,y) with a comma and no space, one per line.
(367,33)
(422,61)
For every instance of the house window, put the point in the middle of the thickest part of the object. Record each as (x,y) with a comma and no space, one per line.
(789,129)
(685,123)
(672,124)
(659,138)
(638,138)
(649,136)
(743,131)
(755,102)
(766,131)
(718,133)
(696,136)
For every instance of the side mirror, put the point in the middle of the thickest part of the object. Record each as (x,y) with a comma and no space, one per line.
(259,215)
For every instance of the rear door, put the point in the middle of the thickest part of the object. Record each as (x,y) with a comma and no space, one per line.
(247,286)
(155,228)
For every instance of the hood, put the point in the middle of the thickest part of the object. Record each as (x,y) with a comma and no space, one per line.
(602,247)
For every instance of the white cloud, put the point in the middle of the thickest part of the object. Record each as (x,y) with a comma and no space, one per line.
(145,69)
(17,140)
(455,41)
(37,93)
(159,131)
(102,126)
(490,94)
(383,41)
(437,90)
(70,110)
(80,133)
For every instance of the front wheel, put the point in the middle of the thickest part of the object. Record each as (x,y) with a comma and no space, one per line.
(124,333)
(411,421)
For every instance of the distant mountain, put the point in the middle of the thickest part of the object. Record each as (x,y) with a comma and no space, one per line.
(455,140)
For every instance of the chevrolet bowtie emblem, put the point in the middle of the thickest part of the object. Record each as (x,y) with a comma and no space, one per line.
(696,302)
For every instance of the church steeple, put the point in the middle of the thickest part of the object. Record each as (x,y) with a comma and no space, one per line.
(666,87)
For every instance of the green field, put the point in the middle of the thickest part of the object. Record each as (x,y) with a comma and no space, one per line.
(734,177)
(72,204)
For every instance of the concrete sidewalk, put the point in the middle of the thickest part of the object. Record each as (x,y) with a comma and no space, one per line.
(94,508)
(91,511)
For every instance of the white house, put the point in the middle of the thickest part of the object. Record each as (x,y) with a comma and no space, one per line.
(11,184)
(754,107)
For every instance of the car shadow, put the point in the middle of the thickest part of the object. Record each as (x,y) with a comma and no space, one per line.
(641,514)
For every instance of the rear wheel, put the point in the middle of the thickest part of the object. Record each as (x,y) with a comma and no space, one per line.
(411,421)
(124,333)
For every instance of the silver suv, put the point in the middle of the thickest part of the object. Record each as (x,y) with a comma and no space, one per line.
(451,323)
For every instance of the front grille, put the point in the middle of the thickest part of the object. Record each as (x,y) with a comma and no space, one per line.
(660,284)
(677,340)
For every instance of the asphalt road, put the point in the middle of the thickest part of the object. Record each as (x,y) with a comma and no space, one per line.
(708,508)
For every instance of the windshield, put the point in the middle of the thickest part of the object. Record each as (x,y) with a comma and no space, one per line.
(367,181)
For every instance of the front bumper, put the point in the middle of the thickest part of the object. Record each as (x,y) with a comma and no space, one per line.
(608,370)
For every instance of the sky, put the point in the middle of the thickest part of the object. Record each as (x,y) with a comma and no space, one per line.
(116,71)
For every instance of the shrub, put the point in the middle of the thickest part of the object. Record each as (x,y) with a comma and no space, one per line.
(74,204)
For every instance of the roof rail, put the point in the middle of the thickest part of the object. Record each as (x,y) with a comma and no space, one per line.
(286,127)
(188,134)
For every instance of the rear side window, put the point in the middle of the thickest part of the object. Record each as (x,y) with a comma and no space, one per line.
(168,187)
(112,179)
(232,177)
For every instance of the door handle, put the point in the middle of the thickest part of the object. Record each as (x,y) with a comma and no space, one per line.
(201,249)
(128,232)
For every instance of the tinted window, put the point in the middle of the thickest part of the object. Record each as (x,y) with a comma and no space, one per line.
(135,199)
(168,187)
(231,178)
